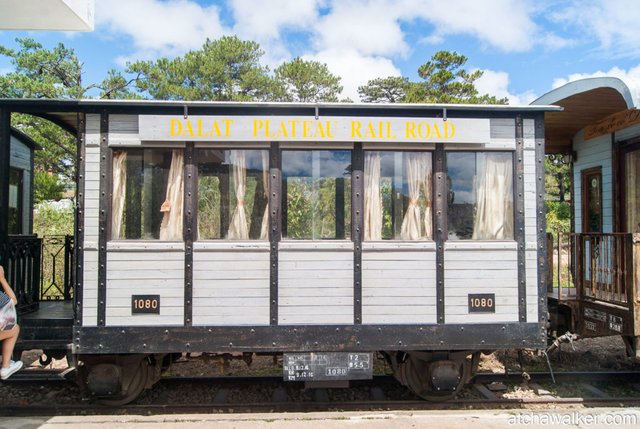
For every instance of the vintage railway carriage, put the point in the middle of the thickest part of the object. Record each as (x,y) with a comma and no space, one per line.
(595,289)
(322,231)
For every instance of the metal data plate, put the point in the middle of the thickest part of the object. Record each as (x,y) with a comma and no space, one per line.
(327,366)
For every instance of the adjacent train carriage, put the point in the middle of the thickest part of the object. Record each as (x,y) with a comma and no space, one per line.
(595,269)
(326,232)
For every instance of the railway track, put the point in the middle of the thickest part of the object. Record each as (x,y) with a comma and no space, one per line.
(271,394)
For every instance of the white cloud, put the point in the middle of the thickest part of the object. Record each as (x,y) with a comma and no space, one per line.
(159,28)
(358,39)
(370,27)
(267,22)
(375,27)
(613,24)
(371,31)
(630,77)
(266,19)
(503,24)
(497,83)
(355,69)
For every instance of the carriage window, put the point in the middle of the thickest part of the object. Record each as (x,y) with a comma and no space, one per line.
(147,194)
(480,198)
(232,194)
(397,196)
(316,194)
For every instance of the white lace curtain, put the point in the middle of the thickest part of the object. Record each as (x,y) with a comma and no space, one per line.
(418,167)
(427,190)
(238,227)
(372,197)
(494,196)
(171,226)
(418,174)
(264,230)
(119,190)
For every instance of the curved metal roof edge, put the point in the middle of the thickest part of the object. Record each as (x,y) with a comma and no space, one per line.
(583,85)
(373,106)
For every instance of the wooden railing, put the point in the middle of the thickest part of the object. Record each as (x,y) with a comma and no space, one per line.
(39,269)
(592,266)
(22,268)
(604,266)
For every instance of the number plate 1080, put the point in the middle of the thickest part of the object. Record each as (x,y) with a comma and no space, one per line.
(145,304)
(482,303)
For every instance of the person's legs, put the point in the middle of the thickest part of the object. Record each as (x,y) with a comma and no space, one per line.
(9,339)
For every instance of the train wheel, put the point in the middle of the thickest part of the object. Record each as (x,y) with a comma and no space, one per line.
(432,377)
(136,386)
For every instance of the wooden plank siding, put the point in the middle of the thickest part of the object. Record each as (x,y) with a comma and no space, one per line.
(90,288)
(481,267)
(398,284)
(123,130)
(315,285)
(593,153)
(138,273)
(531,219)
(502,134)
(230,287)
(91,209)
(627,133)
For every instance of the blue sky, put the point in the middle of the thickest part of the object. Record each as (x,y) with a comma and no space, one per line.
(525,47)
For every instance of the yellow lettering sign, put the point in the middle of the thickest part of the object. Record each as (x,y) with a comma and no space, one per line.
(187,128)
(355,129)
(444,130)
(302,129)
(175,128)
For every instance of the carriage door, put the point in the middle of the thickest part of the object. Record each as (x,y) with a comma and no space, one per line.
(591,227)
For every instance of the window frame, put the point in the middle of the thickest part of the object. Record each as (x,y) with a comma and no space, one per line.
(396,226)
(514,193)
(121,242)
(346,224)
(226,221)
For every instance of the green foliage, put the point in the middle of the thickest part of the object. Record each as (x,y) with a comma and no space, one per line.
(307,81)
(311,208)
(557,178)
(300,208)
(558,217)
(208,207)
(444,81)
(58,152)
(50,220)
(558,195)
(392,89)
(42,73)
(226,69)
(46,187)
(117,87)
